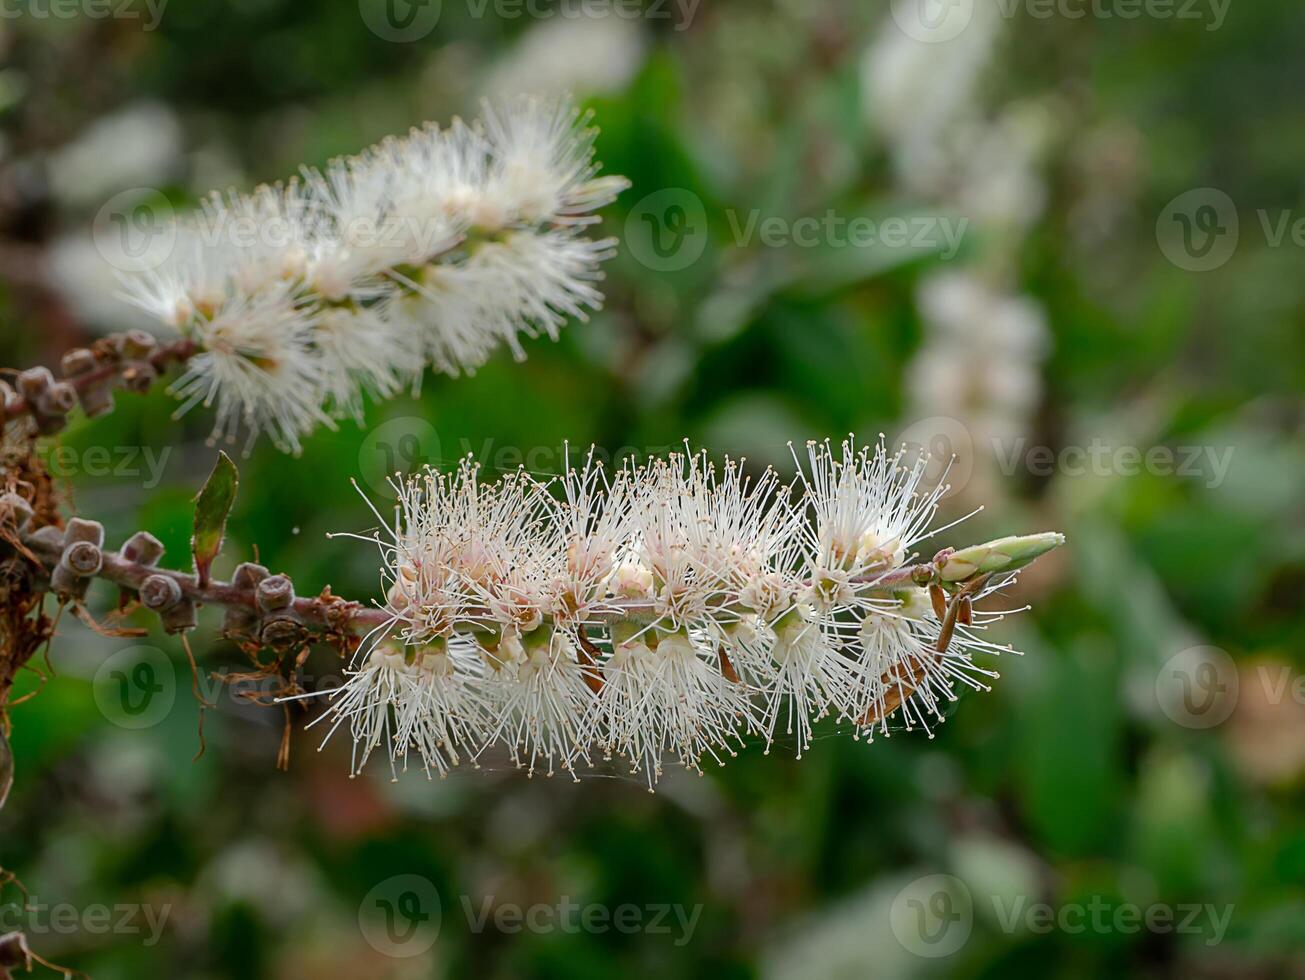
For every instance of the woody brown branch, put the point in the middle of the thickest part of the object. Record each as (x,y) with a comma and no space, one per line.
(255,597)
(129,361)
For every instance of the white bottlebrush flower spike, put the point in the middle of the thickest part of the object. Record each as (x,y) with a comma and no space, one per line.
(430,250)
(670,610)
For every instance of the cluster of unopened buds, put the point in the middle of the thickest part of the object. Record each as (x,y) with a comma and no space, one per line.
(131,360)
(668,610)
(258,606)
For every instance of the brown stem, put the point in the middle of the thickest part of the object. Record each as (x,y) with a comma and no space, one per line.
(901,682)
(113,369)
(320,614)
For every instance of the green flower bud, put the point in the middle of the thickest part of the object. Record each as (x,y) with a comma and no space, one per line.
(1002,555)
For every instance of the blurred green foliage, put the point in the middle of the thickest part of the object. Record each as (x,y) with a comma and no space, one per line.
(1067,784)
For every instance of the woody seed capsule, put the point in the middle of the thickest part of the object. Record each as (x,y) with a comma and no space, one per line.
(83,558)
(143,548)
(33,381)
(276,592)
(160,592)
(77,361)
(80,529)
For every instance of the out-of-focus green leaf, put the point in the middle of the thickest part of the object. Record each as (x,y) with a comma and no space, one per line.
(1068,739)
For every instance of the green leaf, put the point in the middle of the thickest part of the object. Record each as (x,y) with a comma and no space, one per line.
(212,506)
(1068,770)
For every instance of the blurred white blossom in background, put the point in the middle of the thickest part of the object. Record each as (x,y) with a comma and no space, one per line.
(88,283)
(139,145)
(570,56)
(984,342)
(920,94)
(981,357)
